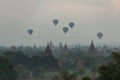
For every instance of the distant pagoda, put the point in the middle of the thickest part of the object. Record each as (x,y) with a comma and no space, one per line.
(65,49)
(92,49)
(52,47)
(48,51)
(60,46)
(13,49)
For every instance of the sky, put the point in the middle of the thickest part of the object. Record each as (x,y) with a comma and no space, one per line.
(89,16)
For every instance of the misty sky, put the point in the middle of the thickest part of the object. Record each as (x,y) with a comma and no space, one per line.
(90,17)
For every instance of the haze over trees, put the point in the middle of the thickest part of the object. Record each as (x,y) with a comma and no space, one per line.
(49,61)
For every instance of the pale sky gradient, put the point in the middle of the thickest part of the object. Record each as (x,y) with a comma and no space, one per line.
(90,17)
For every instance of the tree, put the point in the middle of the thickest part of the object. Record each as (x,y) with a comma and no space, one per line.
(56,78)
(68,76)
(38,72)
(86,78)
(7,71)
(111,71)
(22,72)
(65,75)
(18,58)
(94,71)
(81,72)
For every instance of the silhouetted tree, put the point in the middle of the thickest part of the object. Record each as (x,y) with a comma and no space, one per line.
(7,71)
(65,75)
(94,71)
(86,78)
(111,71)
(48,62)
(38,72)
(81,72)
(22,72)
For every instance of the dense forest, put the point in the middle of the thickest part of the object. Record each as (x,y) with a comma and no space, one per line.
(50,62)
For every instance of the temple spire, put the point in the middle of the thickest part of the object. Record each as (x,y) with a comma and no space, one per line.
(92,49)
(48,51)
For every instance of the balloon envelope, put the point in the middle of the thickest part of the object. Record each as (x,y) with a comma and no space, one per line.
(30,31)
(55,22)
(99,35)
(71,24)
(65,29)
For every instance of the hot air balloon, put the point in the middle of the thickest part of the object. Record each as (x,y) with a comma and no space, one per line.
(100,35)
(65,29)
(30,31)
(55,22)
(71,24)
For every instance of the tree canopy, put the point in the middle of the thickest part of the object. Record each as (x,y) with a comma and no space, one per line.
(7,71)
(111,71)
